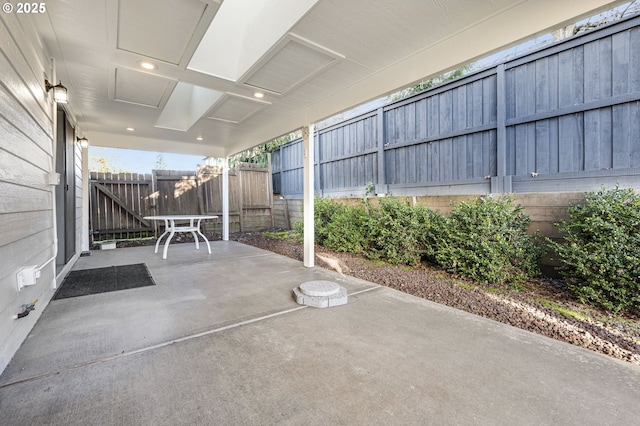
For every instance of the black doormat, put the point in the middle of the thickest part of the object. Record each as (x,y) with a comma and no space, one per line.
(102,280)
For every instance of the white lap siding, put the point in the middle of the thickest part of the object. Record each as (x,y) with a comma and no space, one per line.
(27,232)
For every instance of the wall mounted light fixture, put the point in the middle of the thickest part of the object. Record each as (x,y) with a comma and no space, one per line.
(84,142)
(59,92)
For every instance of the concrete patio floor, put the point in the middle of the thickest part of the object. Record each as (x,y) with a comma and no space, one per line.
(220,341)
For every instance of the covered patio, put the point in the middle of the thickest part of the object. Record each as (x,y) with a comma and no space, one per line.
(220,340)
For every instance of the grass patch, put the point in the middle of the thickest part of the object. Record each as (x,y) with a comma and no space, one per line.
(565,312)
(282,235)
(546,303)
(375,262)
(569,313)
(465,285)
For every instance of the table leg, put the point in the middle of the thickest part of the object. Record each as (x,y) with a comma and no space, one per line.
(166,244)
(191,229)
(202,235)
(205,240)
(166,231)
(195,238)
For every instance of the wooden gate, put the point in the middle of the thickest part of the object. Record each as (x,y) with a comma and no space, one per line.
(118,203)
(176,192)
(250,196)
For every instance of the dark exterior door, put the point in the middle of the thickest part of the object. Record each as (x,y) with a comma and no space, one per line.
(66,190)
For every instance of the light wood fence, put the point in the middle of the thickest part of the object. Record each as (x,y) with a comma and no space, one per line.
(119,201)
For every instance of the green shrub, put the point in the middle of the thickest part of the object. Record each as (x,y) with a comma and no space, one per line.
(347,231)
(394,231)
(338,226)
(325,211)
(487,240)
(297,225)
(399,233)
(600,255)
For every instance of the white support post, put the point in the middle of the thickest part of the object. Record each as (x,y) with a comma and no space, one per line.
(225,200)
(85,198)
(309,231)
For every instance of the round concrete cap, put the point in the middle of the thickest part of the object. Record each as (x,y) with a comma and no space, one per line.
(319,288)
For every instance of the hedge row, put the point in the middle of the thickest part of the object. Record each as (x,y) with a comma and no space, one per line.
(487,240)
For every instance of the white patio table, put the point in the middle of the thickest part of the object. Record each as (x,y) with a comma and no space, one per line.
(171,227)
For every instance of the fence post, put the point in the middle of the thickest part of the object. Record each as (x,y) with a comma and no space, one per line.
(199,188)
(287,218)
(501,182)
(381,186)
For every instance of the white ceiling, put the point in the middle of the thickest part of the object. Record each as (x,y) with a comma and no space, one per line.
(311,59)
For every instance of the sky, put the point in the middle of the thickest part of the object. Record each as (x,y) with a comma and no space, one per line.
(134,161)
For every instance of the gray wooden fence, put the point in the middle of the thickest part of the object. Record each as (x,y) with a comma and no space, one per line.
(563,118)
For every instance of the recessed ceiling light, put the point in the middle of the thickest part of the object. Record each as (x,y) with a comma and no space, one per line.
(199,138)
(148,65)
(259,95)
(130,129)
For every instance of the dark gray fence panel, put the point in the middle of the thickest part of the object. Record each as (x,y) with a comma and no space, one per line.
(576,108)
(291,172)
(568,118)
(347,154)
(547,84)
(276,167)
(444,136)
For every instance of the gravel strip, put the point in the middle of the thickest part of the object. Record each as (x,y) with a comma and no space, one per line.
(616,337)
